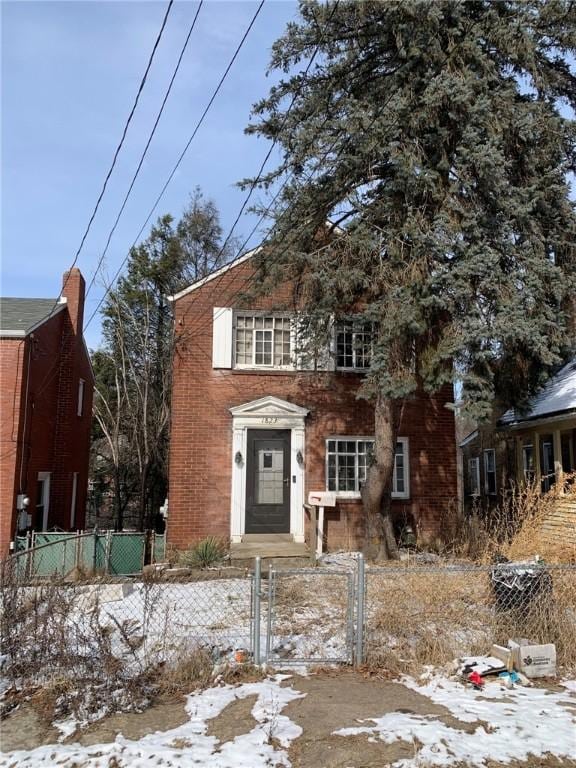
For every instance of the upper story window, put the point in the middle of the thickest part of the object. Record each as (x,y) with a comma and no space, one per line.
(347,462)
(353,345)
(80,403)
(263,341)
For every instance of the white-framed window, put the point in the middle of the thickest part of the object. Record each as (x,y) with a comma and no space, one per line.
(528,462)
(353,345)
(347,462)
(474,476)
(263,341)
(80,403)
(490,471)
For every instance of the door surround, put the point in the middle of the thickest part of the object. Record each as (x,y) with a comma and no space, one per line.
(267,413)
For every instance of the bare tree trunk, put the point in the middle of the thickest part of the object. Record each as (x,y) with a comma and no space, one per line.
(380,543)
(118,499)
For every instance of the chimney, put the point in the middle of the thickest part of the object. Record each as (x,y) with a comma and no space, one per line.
(73,288)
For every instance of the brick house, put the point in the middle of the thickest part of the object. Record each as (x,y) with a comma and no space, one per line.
(254,431)
(46,386)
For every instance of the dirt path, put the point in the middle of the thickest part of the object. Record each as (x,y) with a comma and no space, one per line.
(332,701)
(344,700)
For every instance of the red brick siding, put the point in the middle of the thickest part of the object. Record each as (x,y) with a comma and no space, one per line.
(55,439)
(201,437)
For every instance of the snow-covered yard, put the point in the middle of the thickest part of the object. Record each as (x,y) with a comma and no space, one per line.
(496,724)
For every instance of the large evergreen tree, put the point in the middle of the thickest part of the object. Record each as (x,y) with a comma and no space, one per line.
(439,136)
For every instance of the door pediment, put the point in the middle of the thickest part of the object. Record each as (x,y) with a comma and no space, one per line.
(269,407)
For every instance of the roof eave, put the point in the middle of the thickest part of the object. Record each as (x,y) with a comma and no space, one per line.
(541,419)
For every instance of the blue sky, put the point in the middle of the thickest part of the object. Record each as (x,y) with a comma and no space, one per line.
(70,71)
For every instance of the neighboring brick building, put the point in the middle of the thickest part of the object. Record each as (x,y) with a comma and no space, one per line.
(46,388)
(252,434)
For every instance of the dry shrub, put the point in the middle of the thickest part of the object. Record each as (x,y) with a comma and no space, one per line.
(514,528)
(433,616)
(187,672)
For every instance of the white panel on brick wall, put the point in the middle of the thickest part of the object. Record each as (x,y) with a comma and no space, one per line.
(222,337)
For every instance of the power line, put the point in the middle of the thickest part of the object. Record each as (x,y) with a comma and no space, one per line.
(182,154)
(267,210)
(121,142)
(142,157)
(51,373)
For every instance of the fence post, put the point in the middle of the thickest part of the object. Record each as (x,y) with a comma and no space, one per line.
(256,626)
(361,575)
(95,555)
(29,555)
(77,558)
(108,551)
(270,608)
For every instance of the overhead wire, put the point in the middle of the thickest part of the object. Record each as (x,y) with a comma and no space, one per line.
(181,156)
(51,372)
(240,290)
(145,151)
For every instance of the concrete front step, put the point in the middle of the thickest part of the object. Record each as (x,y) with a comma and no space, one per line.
(251,549)
(267,538)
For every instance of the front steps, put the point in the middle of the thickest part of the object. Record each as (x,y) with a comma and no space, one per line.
(269,546)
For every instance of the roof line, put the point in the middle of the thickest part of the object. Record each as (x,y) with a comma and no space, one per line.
(7,333)
(234,263)
(212,275)
(542,418)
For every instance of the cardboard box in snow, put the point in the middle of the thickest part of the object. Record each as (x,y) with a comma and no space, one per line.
(533,660)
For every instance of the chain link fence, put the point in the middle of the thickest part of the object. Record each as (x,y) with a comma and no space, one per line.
(430,615)
(108,636)
(309,616)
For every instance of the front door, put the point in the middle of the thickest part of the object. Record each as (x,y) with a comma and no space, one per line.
(268,481)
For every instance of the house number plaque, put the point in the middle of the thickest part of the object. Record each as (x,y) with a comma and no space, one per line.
(269,420)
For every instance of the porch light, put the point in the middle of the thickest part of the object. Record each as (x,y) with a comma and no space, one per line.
(238,458)
(300,458)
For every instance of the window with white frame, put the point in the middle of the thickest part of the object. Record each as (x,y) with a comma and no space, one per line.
(80,403)
(348,459)
(263,341)
(490,472)
(474,476)
(353,344)
(528,462)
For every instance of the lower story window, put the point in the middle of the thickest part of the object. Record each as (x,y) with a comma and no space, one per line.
(348,459)
(474,476)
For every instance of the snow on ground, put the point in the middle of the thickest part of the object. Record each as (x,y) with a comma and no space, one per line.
(514,724)
(264,745)
(510,724)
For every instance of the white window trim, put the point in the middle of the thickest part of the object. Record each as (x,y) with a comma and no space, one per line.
(80,403)
(263,367)
(486,489)
(528,473)
(475,460)
(347,368)
(44,477)
(357,494)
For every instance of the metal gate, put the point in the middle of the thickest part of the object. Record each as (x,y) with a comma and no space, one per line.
(294,622)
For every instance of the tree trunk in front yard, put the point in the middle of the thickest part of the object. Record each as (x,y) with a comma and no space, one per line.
(380,543)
